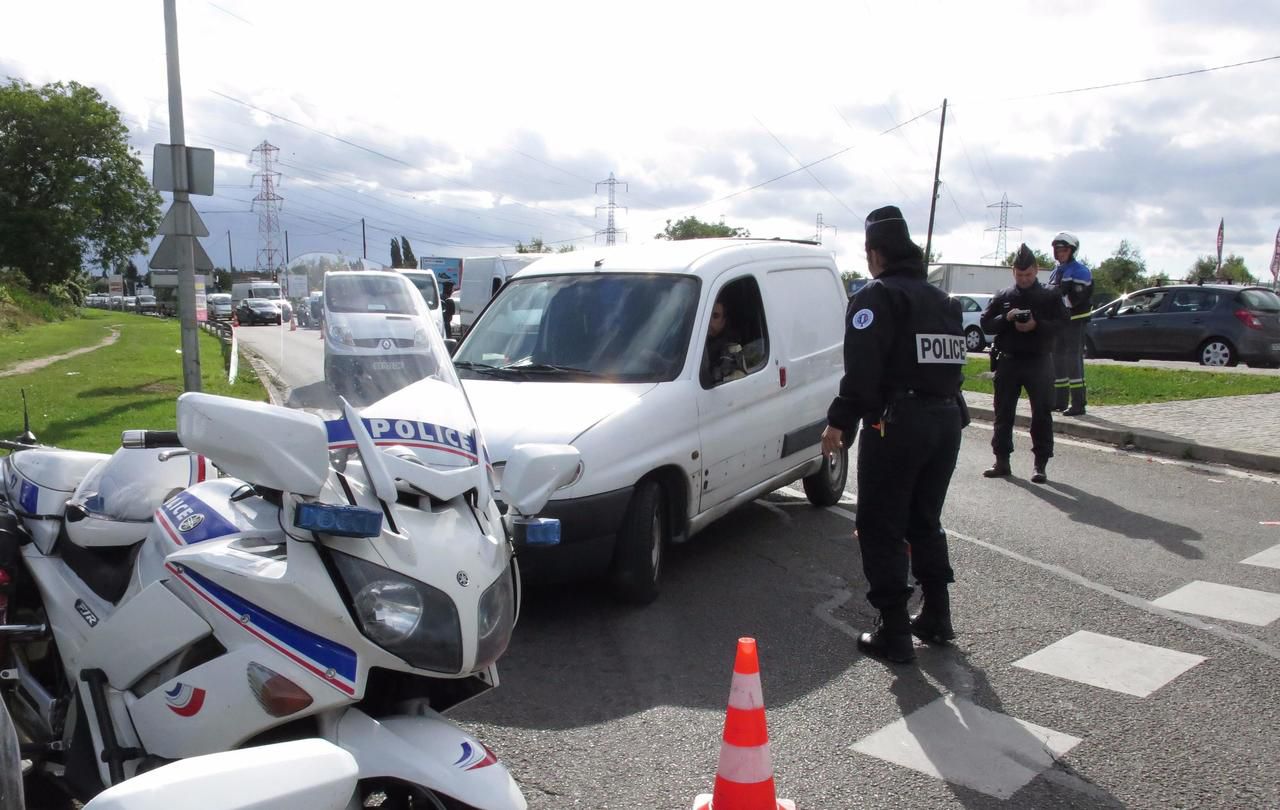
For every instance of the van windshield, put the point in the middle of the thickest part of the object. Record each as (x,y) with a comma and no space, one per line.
(368,292)
(266,291)
(611,327)
(427,286)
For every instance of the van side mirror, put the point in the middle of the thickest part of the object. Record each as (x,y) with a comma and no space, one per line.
(450,346)
(534,471)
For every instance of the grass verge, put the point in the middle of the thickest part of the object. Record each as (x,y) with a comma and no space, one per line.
(1119,385)
(85,402)
(46,339)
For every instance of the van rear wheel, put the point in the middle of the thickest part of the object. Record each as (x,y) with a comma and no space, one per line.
(642,540)
(824,487)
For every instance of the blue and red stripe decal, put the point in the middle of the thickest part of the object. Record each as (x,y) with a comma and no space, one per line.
(328,660)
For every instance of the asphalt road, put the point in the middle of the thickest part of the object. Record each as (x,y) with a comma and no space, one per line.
(605,706)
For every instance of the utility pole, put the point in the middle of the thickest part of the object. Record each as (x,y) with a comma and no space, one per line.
(610,232)
(231,260)
(933,198)
(822,226)
(286,247)
(363,241)
(1002,249)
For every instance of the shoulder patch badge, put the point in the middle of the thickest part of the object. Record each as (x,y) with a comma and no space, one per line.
(863,318)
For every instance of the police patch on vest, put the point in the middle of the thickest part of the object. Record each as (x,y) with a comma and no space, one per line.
(862,318)
(940,349)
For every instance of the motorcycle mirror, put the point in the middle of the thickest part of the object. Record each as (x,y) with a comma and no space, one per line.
(534,471)
(301,775)
(450,345)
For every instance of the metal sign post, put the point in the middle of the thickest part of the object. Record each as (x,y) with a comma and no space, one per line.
(184,172)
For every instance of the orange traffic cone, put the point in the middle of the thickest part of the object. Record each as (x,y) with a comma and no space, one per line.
(293,323)
(744,777)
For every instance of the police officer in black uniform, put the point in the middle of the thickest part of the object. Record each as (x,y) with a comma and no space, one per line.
(1025,318)
(904,355)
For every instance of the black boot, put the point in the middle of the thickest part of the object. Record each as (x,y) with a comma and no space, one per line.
(998,470)
(1077,403)
(933,623)
(891,640)
(1039,476)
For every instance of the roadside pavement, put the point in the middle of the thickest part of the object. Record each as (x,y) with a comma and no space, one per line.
(1197,430)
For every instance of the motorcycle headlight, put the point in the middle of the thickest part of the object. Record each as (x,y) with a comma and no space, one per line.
(497,618)
(403,616)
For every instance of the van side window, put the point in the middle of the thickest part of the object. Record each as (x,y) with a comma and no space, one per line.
(737,340)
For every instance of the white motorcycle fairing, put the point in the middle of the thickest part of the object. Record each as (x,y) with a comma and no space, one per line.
(426,749)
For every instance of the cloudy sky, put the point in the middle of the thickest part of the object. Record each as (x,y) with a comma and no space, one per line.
(469,126)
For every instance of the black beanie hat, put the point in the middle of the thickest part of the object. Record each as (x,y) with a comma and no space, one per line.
(886,230)
(1025,258)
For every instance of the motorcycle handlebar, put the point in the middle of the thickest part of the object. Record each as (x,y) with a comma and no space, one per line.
(149,439)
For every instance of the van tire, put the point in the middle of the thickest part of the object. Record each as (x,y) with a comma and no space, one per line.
(826,486)
(641,545)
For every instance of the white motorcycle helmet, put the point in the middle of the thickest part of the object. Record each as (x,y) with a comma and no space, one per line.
(114,504)
(1068,239)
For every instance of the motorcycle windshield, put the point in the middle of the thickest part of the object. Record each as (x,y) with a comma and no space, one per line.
(365,335)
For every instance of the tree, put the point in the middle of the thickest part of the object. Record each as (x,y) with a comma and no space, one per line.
(130,278)
(71,191)
(1124,271)
(397,258)
(1043,260)
(1233,270)
(407,259)
(693,228)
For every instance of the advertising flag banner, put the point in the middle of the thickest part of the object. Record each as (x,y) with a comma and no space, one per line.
(1275,259)
(1220,224)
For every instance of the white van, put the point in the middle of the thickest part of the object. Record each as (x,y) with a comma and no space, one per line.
(483,276)
(429,287)
(375,332)
(269,290)
(604,349)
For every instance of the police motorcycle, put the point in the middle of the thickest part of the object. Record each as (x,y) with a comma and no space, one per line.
(262,575)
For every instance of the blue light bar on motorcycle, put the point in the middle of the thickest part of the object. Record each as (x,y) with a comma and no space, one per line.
(536,531)
(343,521)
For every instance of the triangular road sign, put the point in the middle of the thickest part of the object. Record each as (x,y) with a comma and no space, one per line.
(166,255)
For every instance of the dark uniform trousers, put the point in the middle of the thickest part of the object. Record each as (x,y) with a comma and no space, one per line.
(1034,372)
(1068,365)
(903,474)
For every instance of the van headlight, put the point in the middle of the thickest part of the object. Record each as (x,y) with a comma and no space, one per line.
(420,337)
(497,618)
(403,616)
(341,334)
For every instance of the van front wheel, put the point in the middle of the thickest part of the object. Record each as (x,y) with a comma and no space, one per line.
(637,557)
(824,487)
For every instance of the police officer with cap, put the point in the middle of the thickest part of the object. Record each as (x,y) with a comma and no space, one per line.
(904,354)
(1025,318)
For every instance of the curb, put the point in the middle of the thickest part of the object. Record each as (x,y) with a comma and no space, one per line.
(277,391)
(1149,441)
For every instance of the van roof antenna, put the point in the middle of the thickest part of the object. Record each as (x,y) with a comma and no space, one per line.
(27,436)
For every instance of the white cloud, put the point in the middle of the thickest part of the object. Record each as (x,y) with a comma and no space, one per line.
(507,113)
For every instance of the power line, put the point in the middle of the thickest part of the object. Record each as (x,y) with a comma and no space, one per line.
(834,154)
(806,168)
(1148,79)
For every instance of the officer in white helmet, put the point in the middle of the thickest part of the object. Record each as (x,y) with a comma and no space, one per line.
(1075,282)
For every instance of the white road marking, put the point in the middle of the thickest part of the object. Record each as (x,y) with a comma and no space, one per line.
(961,742)
(1226,602)
(1268,559)
(1257,645)
(1110,663)
(774,509)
